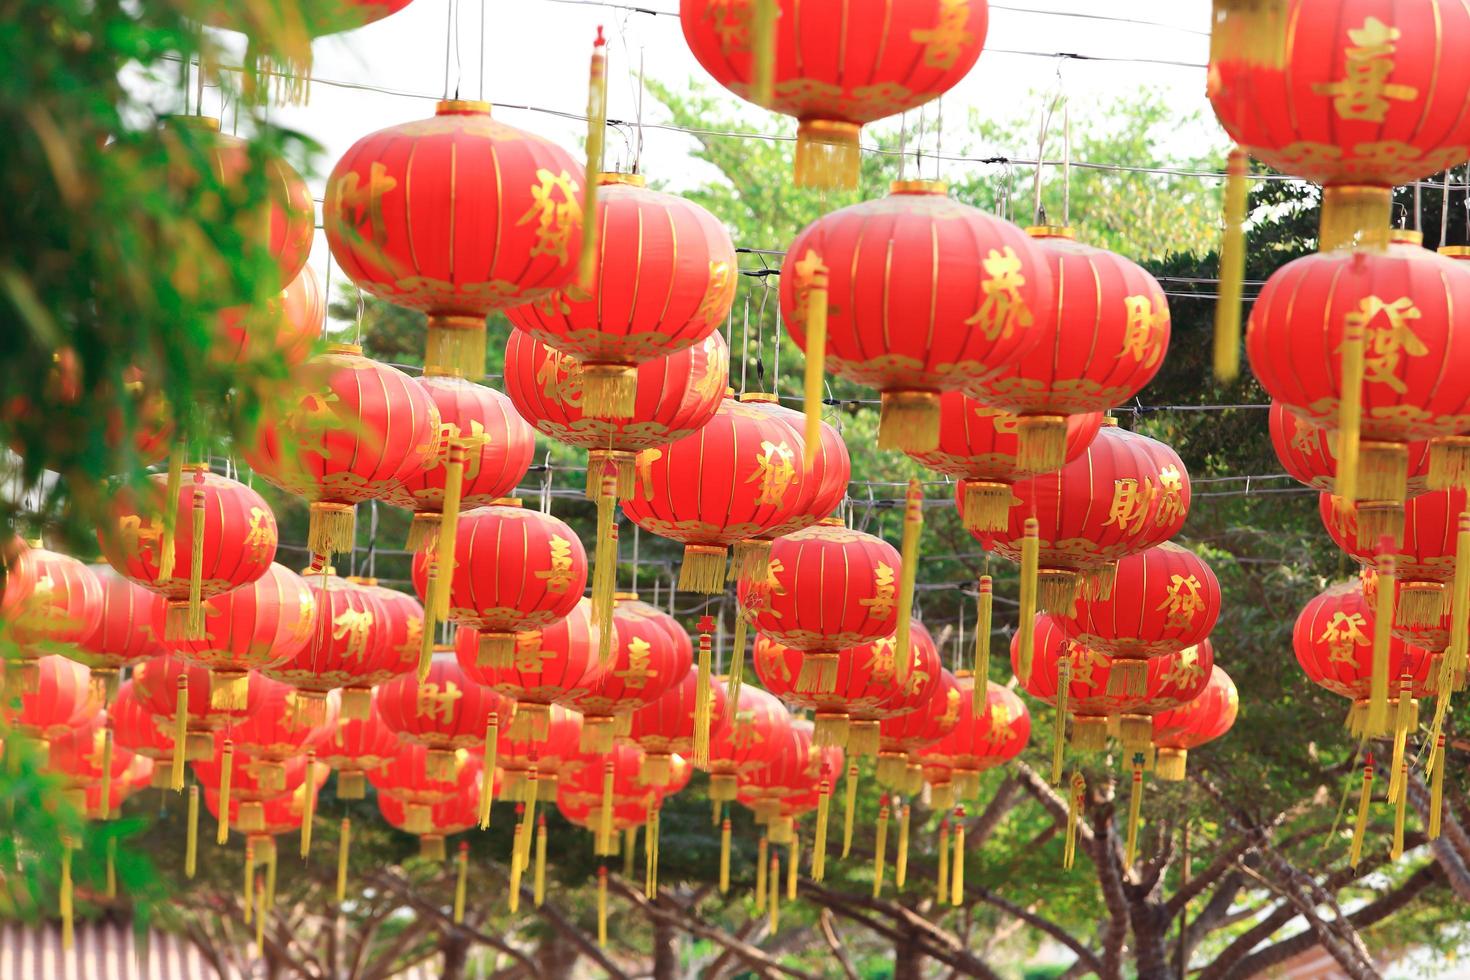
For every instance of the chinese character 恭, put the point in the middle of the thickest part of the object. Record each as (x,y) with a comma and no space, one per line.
(775,470)
(1343,634)
(1004,309)
(1386,340)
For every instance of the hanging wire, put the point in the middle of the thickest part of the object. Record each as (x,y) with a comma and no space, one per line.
(483,4)
(448,38)
(1444,209)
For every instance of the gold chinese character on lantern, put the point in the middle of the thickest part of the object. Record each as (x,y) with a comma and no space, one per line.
(951,708)
(1343,634)
(560,378)
(351,201)
(637,674)
(718,290)
(258,538)
(556,211)
(1147,318)
(746,735)
(1183,601)
(353,625)
(944,41)
(1387,337)
(643,470)
(775,469)
(529,657)
(881,604)
(1365,93)
(1000,725)
(1004,310)
(1085,663)
(434,701)
(558,577)
(881,658)
(1171,496)
(1303,436)
(1185,670)
(313,419)
(1131,500)
(139,538)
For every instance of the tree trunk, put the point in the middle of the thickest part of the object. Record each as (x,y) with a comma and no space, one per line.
(1150,941)
(456,953)
(556,959)
(908,960)
(665,950)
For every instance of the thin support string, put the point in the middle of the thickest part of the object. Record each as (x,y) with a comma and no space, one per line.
(903,132)
(1444,209)
(327,306)
(635,559)
(483,5)
(938,135)
(1066,162)
(744,341)
(1037,214)
(448,39)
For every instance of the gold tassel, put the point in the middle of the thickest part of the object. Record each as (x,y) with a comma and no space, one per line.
(773,900)
(229,692)
(487,784)
(1075,801)
(760,873)
(533,792)
(983,625)
(226,774)
(181,733)
(1377,720)
(908,421)
(444,548)
(602,906)
(703,569)
(605,568)
(880,846)
(942,855)
(1401,720)
(106,734)
(1350,409)
(1360,826)
(461,883)
(166,557)
(901,859)
(431,621)
(1232,268)
(539,886)
(725,856)
(737,663)
(1030,558)
(344,846)
(1400,808)
(1436,787)
(1459,605)
(814,326)
(270,878)
(913,526)
(1449,463)
(247,899)
(191,840)
(1249,33)
(196,563)
(596,131)
(331,529)
(605,813)
(1059,717)
(308,810)
(111,891)
(957,865)
(67,928)
(514,895)
(260,920)
(702,694)
(819,844)
(818,672)
(763,16)
(850,788)
(630,844)
(793,863)
(1135,809)
(455,345)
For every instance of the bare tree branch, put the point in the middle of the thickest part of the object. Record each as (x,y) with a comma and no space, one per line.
(834,943)
(1002,802)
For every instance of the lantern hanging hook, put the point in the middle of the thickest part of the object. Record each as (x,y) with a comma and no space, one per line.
(361,313)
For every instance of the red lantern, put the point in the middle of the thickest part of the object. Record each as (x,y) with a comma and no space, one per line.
(979,741)
(980,445)
(666,726)
(156,683)
(252,779)
(1308,452)
(1146,490)
(664,280)
(282,725)
(138,774)
(287,327)
(17,575)
(651,654)
(457,216)
(555,752)
(261,820)
(1103,341)
(405,775)
(548,664)
(1424,563)
(138,730)
(128,631)
(62,607)
(583,785)
(1396,320)
(359,429)
(750,481)
(236,542)
(828,588)
(78,754)
(1191,725)
(1358,98)
(352,646)
(578,809)
(1163,600)
(902,736)
(516,570)
(60,700)
(253,626)
(749,743)
(445,712)
(836,66)
(790,785)
(890,326)
(432,824)
(355,748)
(498,445)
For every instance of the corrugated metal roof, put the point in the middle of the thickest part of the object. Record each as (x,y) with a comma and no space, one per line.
(102,951)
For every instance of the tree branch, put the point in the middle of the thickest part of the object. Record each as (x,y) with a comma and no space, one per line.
(1109,876)
(834,943)
(1004,800)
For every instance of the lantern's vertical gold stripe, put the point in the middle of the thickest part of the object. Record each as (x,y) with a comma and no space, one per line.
(796,48)
(663,314)
(930,354)
(453,199)
(1428,98)
(883,35)
(499,184)
(413,255)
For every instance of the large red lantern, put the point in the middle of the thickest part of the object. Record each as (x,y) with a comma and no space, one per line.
(1425,560)
(547,666)
(138,730)
(664,280)
(534,757)
(792,784)
(901,737)
(981,445)
(358,430)
(1124,494)
(651,653)
(61,608)
(1103,341)
(448,710)
(1163,600)
(79,756)
(224,536)
(287,327)
(1395,320)
(836,66)
(665,727)
(457,216)
(978,742)
(749,743)
(405,775)
(60,700)
(827,588)
(497,445)
(890,326)
(432,824)
(252,779)
(128,631)
(1308,452)
(355,748)
(516,569)
(750,480)
(1191,725)
(165,683)
(282,725)
(677,395)
(253,626)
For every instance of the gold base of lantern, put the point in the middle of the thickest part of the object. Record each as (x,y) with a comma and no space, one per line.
(909,421)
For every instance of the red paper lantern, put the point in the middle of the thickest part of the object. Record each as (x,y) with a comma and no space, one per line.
(359,429)
(405,775)
(59,701)
(287,327)
(677,395)
(1163,600)
(978,742)
(652,653)
(1308,452)
(836,66)
(548,664)
(78,754)
(355,748)
(586,813)
(261,820)
(664,281)
(516,570)
(17,575)
(901,737)
(138,730)
(457,216)
(1103,341)
(245,629)
(156,685)
(666,726)
(1424,562)
(749,743)
(750,481)
(1191,725)
(1124,494)
(128,632)
(980,445)
(253,779)
(550,751)
(432,824)
(828,587)
(138,774)
(496,460)
(62,607)
(282,724)
(237,529)
(891,327)
(445,712)
(583,784)
(791,784)
(1407,307)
